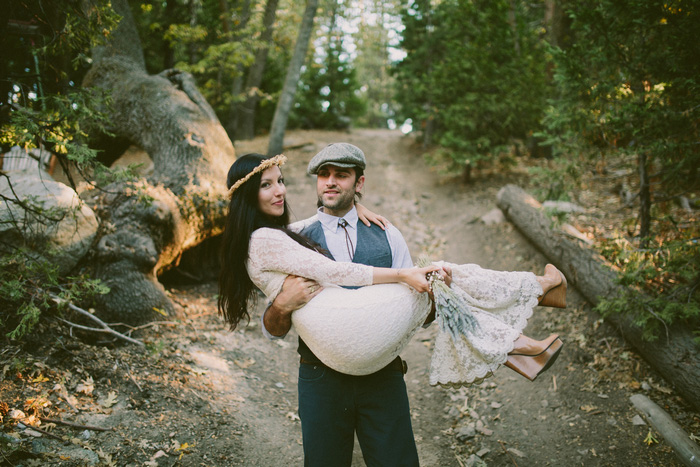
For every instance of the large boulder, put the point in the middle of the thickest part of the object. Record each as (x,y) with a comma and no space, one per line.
(46,216)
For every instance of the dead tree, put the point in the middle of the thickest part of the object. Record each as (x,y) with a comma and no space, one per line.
(675,356)
(146,226)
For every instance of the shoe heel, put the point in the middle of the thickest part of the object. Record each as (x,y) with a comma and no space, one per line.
(531,366)
(556,297)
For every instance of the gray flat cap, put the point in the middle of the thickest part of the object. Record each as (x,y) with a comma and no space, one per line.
(338,154)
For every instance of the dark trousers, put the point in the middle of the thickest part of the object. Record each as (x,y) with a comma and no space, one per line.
(333,406)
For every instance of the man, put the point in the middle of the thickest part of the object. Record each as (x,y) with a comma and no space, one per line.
(334,406)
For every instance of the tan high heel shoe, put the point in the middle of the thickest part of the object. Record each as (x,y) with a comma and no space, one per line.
(556,296)
(532,360)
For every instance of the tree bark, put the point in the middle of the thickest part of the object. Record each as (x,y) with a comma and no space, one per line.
(686,450)
(234,115)
(284,105)
(644,201)
(557,23)
(675,357)
(145,226)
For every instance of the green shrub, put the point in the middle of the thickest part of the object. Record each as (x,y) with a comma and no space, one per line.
(661,283)
(27,288)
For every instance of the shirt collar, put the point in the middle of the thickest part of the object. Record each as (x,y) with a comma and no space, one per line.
(331,222)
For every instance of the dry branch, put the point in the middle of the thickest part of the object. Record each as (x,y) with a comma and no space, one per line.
(104,327)
(74,425)
(686,450)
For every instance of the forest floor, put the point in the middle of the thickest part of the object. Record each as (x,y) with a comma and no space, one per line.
(199,395)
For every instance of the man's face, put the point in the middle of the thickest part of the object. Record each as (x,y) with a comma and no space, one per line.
(336,188)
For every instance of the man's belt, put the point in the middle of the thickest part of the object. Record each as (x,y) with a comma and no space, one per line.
(396,364)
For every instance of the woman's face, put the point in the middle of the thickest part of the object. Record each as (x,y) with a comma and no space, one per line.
(272,192)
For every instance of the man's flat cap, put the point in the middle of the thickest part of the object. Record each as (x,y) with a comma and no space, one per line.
(338,154)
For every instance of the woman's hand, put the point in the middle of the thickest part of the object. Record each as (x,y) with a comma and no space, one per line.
(417,277)
(445,273)
(367,216)
(296,292)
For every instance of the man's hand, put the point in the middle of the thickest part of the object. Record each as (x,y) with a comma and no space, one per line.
(296,292)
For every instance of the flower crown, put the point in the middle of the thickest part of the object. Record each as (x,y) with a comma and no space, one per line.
(264,165)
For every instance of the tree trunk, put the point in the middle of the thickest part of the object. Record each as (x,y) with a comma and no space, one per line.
(512,21)
(246,119)
(557,23)
(168,51)
(191,47)
(644,201)
(284,105)
(147,225)
(234,114)
(675,357)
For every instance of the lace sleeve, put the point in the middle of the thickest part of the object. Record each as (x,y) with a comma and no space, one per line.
(273,250)
(298,226)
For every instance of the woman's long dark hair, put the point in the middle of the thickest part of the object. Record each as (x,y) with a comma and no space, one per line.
(235,286)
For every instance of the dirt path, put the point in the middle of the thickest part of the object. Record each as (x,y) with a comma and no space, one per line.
(576,414)
(203,396)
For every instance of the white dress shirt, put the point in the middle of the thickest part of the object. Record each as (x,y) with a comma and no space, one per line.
(335,239)
(336,243)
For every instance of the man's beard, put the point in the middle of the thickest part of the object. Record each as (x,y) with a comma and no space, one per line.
(342,202)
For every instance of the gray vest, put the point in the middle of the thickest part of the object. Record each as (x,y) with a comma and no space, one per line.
(372,249)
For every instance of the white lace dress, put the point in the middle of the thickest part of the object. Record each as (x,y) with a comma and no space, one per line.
(360,331)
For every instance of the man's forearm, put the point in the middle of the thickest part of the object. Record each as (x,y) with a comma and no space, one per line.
(276,321)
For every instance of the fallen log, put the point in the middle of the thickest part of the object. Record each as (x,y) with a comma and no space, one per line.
(686,450)
(674,356)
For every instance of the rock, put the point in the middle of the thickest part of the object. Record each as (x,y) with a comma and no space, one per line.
(68,234)
(15,414)
(465,433)
(638,421)
(475,461)
(562,206)
(9,438)
(494,216)
(136,157)
(76,454)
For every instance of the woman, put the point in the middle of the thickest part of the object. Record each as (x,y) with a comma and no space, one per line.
(259,251)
